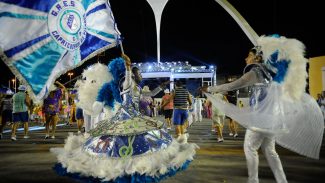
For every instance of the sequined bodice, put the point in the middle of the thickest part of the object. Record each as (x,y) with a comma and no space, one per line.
(258,90)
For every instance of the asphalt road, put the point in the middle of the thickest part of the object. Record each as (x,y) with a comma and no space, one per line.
(29,160)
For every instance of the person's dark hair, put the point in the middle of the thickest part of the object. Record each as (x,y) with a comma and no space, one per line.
(178,83)
(134,69)
(135,74)
(257,52)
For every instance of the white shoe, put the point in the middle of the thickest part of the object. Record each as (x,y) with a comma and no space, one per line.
(185,138)
(182,139)
(213,130)
(231,134)
(53,137)
(236,135)
(26,137)
(179,138)
(220,140)
(169,128)
(13,138)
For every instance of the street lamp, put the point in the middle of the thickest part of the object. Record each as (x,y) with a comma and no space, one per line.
(14,83)
(70,74)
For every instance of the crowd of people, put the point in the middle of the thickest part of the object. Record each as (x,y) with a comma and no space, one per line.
(58,106)
(195,109)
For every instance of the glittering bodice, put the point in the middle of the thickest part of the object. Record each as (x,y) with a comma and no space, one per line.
(127,120)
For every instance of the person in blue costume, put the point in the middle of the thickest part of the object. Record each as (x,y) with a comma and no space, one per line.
(128,147)
(280,111)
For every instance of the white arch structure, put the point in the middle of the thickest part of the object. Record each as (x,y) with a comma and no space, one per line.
(159,5)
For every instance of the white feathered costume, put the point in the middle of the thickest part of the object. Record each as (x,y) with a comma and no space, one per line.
(93,78)
(280,109)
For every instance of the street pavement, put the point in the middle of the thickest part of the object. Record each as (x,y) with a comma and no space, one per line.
(29,160)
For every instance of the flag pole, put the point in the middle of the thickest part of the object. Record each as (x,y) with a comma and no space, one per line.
(121,46)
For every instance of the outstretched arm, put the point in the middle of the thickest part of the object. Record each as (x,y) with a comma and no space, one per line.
(247,79)
(152,93)
(156,90)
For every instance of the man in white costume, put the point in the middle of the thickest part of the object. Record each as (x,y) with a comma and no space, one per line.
(280,110)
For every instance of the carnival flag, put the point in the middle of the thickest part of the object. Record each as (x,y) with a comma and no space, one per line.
(42,39)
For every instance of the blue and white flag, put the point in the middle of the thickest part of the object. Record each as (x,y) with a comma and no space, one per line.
(42,39)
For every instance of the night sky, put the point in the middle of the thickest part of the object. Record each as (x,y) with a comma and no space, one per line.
(203,33)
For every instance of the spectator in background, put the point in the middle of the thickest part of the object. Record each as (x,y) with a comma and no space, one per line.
(159,108)
(233,126)
(319,99)
(198,109)
(218,118)
(240,104)
(182,101)
(191,114)
(80,119)
(204,111)
(168,108)
(6,111)
(146,102)
(51,108)
(21,101)
(208,108)
(72,113)
(322,103)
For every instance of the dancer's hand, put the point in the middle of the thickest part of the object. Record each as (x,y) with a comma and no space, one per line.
(127,60)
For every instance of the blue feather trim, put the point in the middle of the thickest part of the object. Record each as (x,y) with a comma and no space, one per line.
(109,93)
(134,178)
(105,95)
(275,35)
(280,65)
(117,68)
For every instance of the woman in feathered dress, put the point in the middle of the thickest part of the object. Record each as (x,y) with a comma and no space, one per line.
(128,147)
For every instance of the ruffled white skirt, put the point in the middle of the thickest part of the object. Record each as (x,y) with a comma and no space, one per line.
(75,159)
(298,125)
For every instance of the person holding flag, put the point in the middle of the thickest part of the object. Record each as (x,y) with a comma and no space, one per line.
(121,149)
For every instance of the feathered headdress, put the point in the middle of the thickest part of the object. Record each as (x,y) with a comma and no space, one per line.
(93,79)
(109,93)
(285,57)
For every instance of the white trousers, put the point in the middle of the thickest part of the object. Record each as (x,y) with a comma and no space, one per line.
(197,115)
(255,140)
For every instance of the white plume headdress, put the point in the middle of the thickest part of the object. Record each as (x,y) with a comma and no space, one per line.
(278,50)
